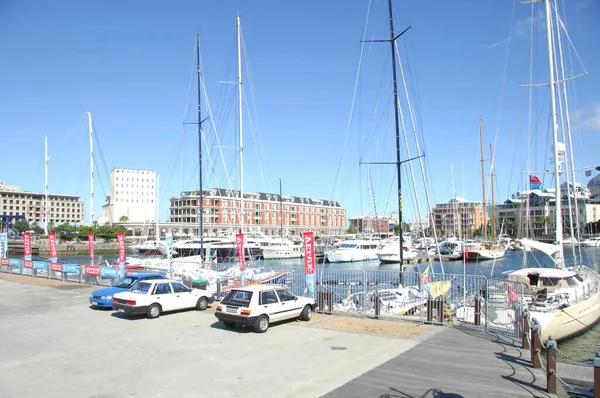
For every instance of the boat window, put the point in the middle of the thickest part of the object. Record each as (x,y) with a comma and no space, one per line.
(578,277)
(533,279)
(571,281)
(550,281)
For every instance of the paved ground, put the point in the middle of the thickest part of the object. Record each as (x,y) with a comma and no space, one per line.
(53,345)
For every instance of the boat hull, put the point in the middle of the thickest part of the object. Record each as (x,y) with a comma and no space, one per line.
(570,321)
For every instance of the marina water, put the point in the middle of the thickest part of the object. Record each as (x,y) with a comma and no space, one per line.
(582,346)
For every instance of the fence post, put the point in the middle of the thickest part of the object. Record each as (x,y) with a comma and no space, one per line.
(526,333)
(477,320)
(536,344)
(429,309)
(551,365)
(376,304)
(597,375)
(440,309)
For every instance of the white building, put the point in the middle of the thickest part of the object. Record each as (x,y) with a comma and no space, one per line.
(132,195)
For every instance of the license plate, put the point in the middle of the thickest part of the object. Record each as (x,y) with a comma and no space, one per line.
(232,310)
(94,303)
(121,310)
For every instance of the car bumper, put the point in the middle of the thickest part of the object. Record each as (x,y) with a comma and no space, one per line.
(101,302)
(244,320)
(129,310)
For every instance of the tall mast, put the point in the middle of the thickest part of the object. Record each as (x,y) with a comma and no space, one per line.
(200,208)
(484,227)
(239,82)
(493,204)
(281,205)
(397,127)
(558,208)
(91,169)
(156,195)
(46,207)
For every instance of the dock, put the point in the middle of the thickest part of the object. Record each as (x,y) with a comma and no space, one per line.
(456,362)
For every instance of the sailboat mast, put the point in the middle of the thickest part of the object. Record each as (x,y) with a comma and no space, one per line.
(397,127)
(91,168)
(200,208)
(484,223)
(281,205)
(493,204)
(239,54)
(558,208)
(46,218)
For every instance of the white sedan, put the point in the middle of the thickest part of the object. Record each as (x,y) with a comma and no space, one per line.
(260,305)
(153,297)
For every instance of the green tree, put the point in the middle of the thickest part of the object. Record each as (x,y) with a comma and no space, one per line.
(21,226)
(123,219)
(65,231)
(352,230)
(36,228)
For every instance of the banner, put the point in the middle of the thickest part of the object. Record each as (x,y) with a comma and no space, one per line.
(27,245)
(91,247)
(70,268)
(109,273)
(40,265)
(535,182)
(588,173)
(52,246)
(309,262)
(5,262)
(169,241)
(27,264)
(56,267)
(91,270)
(3,245)
(121,248)
(239,244)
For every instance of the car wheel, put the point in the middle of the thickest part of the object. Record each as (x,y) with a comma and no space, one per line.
(262,324)
(153,311)
(229,324)
(202,303)
(307,313)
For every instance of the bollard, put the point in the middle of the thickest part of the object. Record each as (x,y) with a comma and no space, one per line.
(536,344)
(376,304)
(597,375)
(440,309)
(477,320)
(429,310)
(551,365)
(526,331)
(218,290)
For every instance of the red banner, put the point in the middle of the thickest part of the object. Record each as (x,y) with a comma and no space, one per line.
(239,243)
(121,247)
(91,270)
(26,244)
(5,262)
(56,267)
(27,264)
(52,244)
(309,253)
(91,246)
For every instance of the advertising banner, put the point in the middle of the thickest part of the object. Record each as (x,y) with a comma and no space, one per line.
(239,243)
(27,264)
(5,262)
(3,245)
(121,248)
(91,247)
(91,270)
(70,268)
(169,241)
(15,263)
(309,262)
(109,273)
(52,246)
(56,267)
(27,245)
(40,265)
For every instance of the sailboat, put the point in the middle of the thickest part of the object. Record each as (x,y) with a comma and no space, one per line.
(488,251)
(564,300)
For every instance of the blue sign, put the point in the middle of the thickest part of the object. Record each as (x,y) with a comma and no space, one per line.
(39,265)
(15,262)
(109,272)
(3,244)
(70,268)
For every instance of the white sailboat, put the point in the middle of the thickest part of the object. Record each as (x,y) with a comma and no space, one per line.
(564,300)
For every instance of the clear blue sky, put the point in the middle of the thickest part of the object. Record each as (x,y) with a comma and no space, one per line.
(130,64)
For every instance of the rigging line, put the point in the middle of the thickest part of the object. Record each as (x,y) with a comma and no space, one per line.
(335,188)
(98,148)
(578,320)
(564,29)
(67,135)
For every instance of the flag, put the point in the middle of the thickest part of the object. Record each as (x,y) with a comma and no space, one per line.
(425,278)
(588,173)
(309,262)
(535,182)
(512,295)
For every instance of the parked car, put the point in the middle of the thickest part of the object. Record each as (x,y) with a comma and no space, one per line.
(261,305)
(153,297)
(103,298)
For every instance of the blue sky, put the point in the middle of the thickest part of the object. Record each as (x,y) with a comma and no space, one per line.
(130,65)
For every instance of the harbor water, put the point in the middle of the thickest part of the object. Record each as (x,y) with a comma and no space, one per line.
(582,346)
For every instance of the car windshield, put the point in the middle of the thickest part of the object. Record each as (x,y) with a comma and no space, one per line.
(141,287)
(125,282)
(238,297)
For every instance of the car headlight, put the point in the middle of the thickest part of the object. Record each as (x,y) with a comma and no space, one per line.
(106,297)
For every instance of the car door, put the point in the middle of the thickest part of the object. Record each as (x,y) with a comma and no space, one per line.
(290,308)
(270,304)
(163,295)
(182,296)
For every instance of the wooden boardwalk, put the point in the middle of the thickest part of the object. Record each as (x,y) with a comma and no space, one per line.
(456,362)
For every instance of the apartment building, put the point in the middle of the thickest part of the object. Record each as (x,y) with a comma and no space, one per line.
(457,216)
(272,214)
(32,205)
(374,225)
(132,195)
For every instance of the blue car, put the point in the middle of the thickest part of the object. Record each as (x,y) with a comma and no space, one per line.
(103,298)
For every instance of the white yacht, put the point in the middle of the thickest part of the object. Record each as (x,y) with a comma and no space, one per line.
(388,251)
(591,242)
(353,250)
